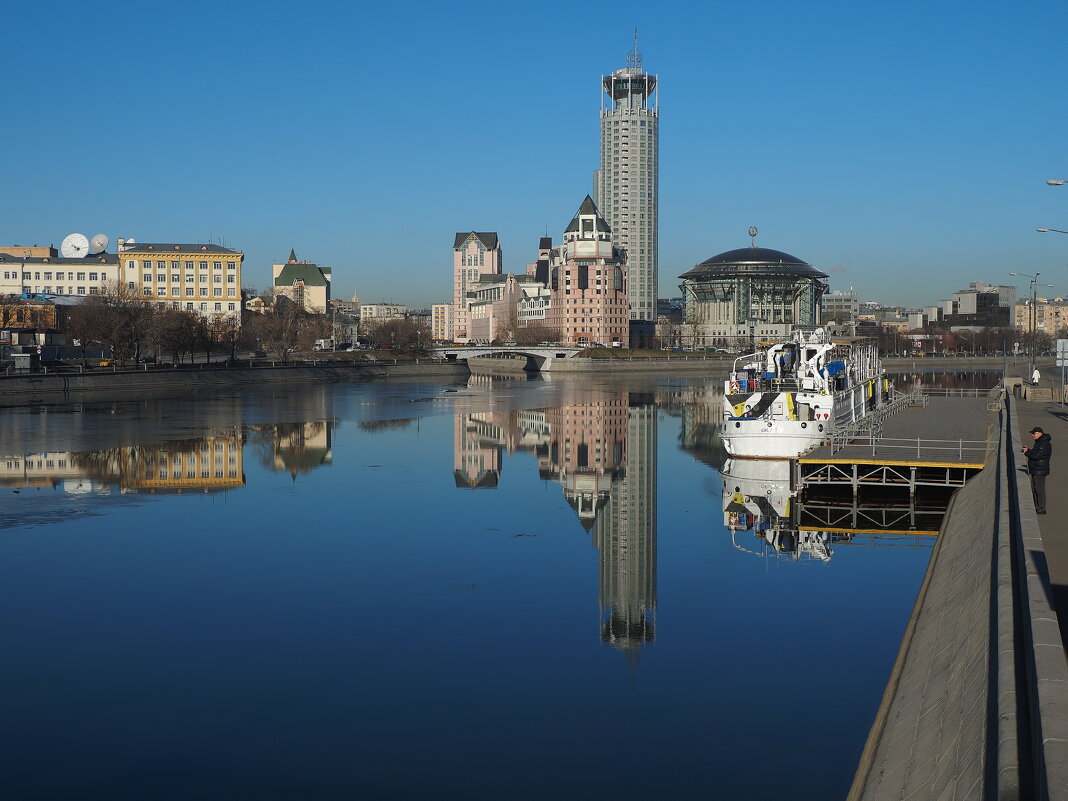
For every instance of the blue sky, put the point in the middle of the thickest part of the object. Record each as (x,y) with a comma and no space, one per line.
(900,147)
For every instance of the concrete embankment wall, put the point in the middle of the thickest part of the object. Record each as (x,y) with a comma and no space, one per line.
(932,728)
(976,703)
(594,366)
(160,378)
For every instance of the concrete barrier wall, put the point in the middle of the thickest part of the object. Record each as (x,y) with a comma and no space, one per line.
(1044,684)
(930,739)
(670,366)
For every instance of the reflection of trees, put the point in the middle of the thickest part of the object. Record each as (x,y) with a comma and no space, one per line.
(105,465)
(204,463)
(292,447)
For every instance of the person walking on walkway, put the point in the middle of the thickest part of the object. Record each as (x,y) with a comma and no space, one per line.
(1035,376)
(1038,466)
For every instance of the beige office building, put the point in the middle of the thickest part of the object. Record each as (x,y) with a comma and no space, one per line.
(205,279)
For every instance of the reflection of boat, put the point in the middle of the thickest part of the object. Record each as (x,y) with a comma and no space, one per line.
(757,498)
(789,396)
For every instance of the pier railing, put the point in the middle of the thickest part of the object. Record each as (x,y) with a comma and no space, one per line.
(869,430)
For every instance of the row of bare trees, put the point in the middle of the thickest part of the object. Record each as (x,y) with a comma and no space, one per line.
(119,321)
(129,327)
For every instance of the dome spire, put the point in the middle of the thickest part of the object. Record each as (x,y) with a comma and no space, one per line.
(752,236)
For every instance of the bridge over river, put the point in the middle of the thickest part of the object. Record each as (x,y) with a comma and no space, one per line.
(539,357)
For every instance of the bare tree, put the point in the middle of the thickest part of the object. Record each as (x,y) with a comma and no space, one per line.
(402,333)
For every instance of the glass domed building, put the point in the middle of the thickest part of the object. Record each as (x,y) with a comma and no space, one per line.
(748,292)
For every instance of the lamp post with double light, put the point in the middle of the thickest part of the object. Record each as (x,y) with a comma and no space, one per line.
(1033,281)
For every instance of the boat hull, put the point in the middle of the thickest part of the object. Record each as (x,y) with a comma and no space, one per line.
(771,439)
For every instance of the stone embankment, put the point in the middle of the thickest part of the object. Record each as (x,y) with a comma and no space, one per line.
(975,706)
(37,384)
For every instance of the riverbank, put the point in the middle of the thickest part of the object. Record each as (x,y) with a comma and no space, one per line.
(29,387)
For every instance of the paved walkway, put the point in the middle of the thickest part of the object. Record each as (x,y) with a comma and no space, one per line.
(1053,418)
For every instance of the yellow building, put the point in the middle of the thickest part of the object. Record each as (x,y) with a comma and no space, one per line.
(205,279)
(208,464)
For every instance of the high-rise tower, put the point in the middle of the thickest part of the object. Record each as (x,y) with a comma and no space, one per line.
(626,188)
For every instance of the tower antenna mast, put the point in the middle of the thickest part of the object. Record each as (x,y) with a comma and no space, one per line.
(634,58)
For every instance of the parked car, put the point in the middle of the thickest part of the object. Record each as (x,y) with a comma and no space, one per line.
(147,359)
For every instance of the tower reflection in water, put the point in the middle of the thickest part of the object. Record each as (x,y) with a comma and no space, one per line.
(601,448)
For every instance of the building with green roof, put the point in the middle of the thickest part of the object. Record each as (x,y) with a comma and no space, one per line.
(303,282)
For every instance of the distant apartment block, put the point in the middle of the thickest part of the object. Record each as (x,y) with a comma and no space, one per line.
(306,284)
(205,279)
(441,322)
(1050,316)
(840,307)
(494,302)
(981,305)
(382,311)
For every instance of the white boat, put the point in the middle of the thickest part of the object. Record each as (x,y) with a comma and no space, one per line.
(790,396)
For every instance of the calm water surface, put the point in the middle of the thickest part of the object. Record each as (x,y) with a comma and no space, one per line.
(493,590)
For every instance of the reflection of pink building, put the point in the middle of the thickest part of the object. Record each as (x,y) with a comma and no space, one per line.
(587,452)
(477,451)
(474,254)
(588,280)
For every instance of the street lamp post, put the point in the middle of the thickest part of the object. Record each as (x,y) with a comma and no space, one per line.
(1057,181)
(1030,317)
(1033,281)
(1051,231)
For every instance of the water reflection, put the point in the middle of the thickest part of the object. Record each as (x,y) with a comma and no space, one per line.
(601,450)
(242,600)
(759,499)
(294,447)
(211,463)
(203,464)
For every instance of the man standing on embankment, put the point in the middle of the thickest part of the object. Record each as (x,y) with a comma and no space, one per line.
(1038,466)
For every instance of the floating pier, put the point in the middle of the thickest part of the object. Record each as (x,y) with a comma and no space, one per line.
(935,441)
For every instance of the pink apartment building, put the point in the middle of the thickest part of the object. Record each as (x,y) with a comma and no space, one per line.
(588,281)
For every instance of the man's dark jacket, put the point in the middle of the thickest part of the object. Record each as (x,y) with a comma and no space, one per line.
(1038,456)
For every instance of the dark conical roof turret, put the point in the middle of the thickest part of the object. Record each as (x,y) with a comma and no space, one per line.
(588,208)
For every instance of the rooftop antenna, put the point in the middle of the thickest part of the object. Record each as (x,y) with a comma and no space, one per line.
(634,58)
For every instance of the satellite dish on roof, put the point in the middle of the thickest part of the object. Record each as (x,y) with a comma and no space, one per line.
(74,246)
(99,243)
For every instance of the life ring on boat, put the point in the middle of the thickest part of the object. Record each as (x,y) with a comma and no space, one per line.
(734,387)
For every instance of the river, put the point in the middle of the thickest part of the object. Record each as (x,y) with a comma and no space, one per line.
(498,589)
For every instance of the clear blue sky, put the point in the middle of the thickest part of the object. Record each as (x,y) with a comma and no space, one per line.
(901,147)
